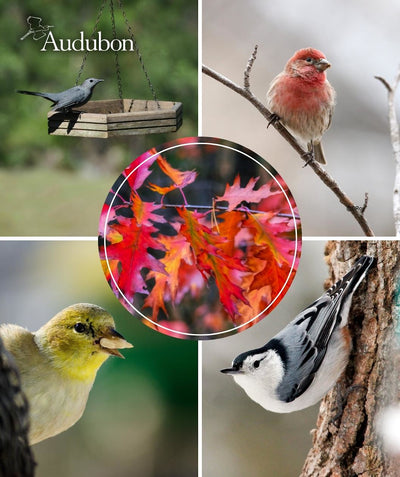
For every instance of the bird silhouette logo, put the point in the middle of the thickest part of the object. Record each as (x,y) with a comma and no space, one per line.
(36,28)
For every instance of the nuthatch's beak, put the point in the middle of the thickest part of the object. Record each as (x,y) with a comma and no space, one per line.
(322,64)
(112,341)
(232,370)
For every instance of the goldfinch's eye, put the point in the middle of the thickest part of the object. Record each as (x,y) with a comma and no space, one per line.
(256,364)
(79,327)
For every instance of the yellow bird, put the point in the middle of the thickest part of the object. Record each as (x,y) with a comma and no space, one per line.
(58,364)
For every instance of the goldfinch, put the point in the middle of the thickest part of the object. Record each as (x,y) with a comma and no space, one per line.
(58,364)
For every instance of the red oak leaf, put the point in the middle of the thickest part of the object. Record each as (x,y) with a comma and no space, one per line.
(235,194)
(138,171)
(129,242)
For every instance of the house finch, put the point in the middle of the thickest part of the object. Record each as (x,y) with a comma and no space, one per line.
(303,99)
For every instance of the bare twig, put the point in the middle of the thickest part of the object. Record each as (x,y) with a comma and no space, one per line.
(395,139)
(220,208)
(357,212)
(249,66)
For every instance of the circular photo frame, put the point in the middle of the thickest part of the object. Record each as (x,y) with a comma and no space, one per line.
(199,238)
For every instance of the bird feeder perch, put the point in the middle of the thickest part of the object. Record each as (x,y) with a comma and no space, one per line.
(111,118)
(117,117)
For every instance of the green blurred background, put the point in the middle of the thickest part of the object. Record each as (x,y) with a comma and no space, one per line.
(141,416)
(53,185)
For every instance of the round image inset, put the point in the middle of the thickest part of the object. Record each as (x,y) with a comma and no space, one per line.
(199,238)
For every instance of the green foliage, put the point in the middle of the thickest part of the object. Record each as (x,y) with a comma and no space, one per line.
(166,33)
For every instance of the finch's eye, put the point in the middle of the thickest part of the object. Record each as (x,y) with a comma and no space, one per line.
(309,60)
(256,364)
(79,327)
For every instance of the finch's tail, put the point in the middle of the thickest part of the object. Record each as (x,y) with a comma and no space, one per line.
(319,153)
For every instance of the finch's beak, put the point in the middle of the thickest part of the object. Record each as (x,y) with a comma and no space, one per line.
(231,371)
(322,64)
(112,341)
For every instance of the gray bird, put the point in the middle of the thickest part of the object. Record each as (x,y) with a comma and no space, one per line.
(73,97)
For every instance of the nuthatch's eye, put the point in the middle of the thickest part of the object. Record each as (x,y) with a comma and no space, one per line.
(79,327)
(256,364)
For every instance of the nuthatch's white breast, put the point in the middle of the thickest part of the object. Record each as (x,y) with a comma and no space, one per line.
(297,367)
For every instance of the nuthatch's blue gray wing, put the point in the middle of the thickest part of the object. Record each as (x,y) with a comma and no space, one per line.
(309,334)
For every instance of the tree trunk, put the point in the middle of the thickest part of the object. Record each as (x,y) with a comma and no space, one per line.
(345,442)
(16,459)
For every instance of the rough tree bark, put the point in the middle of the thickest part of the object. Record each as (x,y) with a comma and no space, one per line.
(16,459)
(345,442)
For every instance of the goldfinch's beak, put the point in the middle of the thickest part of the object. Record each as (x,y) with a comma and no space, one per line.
(112,341)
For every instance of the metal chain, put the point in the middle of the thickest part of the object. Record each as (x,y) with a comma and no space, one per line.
(96,26)
(137,51)
(117,67)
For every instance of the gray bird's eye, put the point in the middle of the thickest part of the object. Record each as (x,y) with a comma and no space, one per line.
(79,327)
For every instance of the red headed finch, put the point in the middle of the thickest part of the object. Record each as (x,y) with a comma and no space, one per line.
(303,98)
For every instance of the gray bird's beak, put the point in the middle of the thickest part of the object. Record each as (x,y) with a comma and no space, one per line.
(231,371)
(322,64)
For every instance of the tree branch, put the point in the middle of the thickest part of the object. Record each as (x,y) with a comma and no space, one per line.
(395,140)
(356,211)
(345,442)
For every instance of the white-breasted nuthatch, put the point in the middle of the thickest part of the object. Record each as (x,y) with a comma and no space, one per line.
(297,367)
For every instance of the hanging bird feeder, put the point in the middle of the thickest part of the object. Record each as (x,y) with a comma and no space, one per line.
(117,117)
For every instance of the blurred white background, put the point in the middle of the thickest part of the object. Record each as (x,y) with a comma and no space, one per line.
(360,39)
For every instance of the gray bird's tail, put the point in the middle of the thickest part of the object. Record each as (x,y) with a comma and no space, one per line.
(34,93)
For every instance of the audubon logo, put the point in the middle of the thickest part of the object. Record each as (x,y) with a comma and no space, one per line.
(87,44)
(95,43)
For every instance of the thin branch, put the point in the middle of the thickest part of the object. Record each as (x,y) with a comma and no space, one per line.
(365,205)
(356,211)
(221,208)
(249,66)
(395,140)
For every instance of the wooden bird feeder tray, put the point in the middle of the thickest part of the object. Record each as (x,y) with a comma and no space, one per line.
(116,117)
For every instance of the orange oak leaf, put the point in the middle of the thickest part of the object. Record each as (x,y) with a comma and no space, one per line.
(211,259)
(271,272)
(180,179)
(276,232)
(178,276)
